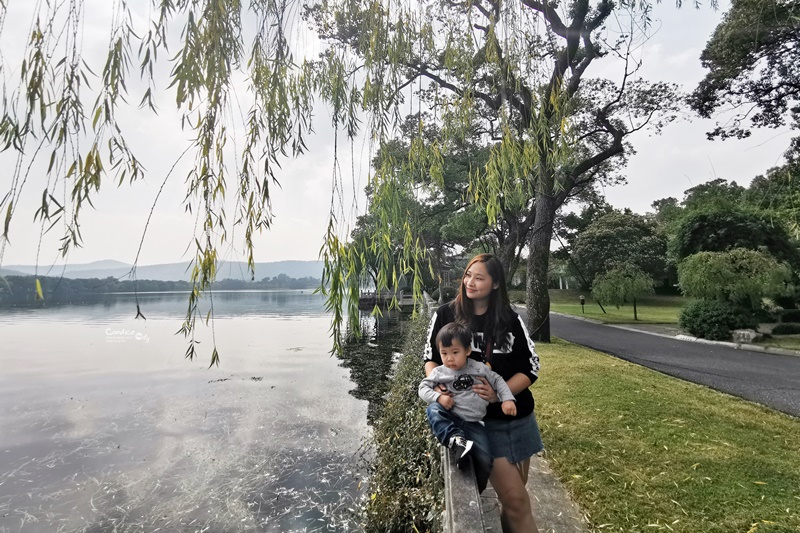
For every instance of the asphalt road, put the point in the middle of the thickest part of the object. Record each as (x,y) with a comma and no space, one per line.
(768,379)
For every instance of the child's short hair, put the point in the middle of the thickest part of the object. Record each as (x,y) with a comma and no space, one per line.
(454,331)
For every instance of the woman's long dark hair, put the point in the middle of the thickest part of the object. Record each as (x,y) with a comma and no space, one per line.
(499,314)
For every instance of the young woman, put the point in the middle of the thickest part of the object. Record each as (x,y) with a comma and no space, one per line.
(501,339)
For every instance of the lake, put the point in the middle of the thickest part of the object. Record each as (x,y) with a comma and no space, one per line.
(105,426)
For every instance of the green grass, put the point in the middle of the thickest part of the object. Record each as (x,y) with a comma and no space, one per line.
(650,310)
(641,451)
(789,342)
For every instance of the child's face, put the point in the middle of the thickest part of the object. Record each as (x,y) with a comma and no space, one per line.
(454,356)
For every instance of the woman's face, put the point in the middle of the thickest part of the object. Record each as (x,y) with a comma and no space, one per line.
(477,282)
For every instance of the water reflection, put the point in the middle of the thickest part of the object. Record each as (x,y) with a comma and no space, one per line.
(128,436)
(227,304)
(370,357)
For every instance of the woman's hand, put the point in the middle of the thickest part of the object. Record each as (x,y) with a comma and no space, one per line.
(484,390)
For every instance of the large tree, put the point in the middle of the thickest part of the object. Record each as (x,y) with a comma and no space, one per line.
(448,219)
(622,284)
(777,195)
(441,213)
(753,69)
(738,275)
(716,194)
(619,238)
(723,230)
(520,67)
(568,226)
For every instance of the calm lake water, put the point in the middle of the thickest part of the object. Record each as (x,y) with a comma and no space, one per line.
(105,426)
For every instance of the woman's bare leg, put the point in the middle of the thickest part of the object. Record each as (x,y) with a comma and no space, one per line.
(513,496)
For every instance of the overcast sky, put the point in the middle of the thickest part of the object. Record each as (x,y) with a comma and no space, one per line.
(664,165)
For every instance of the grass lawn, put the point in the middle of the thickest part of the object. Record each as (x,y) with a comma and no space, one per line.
(790,342)
(650,310)
(641,451)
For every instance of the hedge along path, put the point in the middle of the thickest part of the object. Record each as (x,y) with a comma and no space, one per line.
(641,451)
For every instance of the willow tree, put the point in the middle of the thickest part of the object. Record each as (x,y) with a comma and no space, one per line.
(60,110)
(443,213)
(518,67)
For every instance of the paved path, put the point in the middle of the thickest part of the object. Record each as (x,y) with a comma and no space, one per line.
(769,379)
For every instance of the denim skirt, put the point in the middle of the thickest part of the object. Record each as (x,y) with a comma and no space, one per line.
(516,440)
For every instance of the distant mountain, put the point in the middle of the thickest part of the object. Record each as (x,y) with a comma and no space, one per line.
(173,271)
(69,270)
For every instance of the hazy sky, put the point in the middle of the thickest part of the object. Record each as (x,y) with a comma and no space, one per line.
(663,166)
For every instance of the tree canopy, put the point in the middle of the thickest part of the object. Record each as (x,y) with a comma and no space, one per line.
(753,69)
(619,238)
(719,231)
(714,195)
(569,226)
(520,72)
(622,284)
(777,195)
(737,275)
(64,111)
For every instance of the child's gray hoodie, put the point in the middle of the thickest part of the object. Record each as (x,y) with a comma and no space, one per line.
(467,404)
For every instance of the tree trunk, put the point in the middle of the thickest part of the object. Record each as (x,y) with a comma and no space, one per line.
(514,266)
(538,266)
(439,258)
(635,317)
(510,248)
(506,253)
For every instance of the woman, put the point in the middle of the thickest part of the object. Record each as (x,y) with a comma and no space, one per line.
(501,339)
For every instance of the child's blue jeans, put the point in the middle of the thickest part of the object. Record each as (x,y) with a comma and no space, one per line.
(446,424)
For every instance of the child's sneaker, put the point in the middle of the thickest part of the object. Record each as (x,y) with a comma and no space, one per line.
(461,448)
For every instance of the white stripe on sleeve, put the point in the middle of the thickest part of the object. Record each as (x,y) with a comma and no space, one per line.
(427,354)
(534,357)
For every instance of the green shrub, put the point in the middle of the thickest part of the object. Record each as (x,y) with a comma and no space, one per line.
(792,315)
(406,486)
(787,302)
(786,329)
(737,275)
(714,319)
